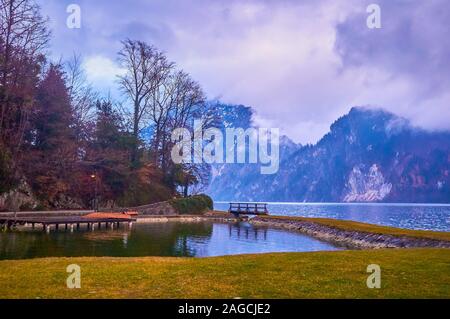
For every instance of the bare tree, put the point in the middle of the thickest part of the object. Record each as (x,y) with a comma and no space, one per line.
(175,103)
(185,104)
(23,37)
(22,28)
(163,98)
(82,100)
(81,93)
(145,69)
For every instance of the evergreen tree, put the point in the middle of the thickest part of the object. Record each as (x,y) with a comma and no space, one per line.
(53,149)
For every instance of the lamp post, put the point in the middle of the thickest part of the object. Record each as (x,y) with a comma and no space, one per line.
(94,178)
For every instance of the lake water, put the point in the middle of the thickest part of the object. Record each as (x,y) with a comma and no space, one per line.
(197,239)
(411,216)
(202,239)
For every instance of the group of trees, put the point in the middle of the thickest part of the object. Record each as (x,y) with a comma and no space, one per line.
(71,146)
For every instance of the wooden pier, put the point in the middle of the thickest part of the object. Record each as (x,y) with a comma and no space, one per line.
(248,209)
(68,222)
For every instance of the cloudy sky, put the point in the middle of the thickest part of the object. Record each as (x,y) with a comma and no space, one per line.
(299,64)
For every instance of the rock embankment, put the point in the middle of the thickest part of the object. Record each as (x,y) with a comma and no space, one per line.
(161,208)
(208,216)
(348,238)
(192,205)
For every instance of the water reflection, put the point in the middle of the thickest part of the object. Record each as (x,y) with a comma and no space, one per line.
(245,229)
(125,240)
(198,239)
(243,238)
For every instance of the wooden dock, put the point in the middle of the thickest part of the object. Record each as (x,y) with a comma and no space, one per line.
(238,209)
(68,222)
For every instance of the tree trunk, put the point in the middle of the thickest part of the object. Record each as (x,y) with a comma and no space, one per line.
(134,151)
(185,190)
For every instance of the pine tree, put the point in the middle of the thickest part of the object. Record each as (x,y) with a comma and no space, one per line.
(53,149)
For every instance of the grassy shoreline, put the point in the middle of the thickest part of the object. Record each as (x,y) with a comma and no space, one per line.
(350,225)
(406,273)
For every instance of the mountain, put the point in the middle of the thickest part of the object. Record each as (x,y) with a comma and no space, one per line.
(369,155)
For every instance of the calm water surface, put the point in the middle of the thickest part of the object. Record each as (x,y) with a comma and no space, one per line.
(202,239)
(199,239)
(412,216)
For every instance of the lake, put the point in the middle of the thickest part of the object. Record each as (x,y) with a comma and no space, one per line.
(194,239)
(203,239)
(411,216)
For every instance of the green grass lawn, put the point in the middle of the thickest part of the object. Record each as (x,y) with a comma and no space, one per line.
(405,273)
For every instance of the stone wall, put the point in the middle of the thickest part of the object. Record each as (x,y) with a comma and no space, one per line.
(161,208)
(19,198)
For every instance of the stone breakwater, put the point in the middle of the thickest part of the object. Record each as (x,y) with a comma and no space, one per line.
(216,216)
(161,208)
(348,238)
(184,218)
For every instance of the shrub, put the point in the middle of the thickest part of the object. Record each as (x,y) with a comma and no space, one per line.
(194,205)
